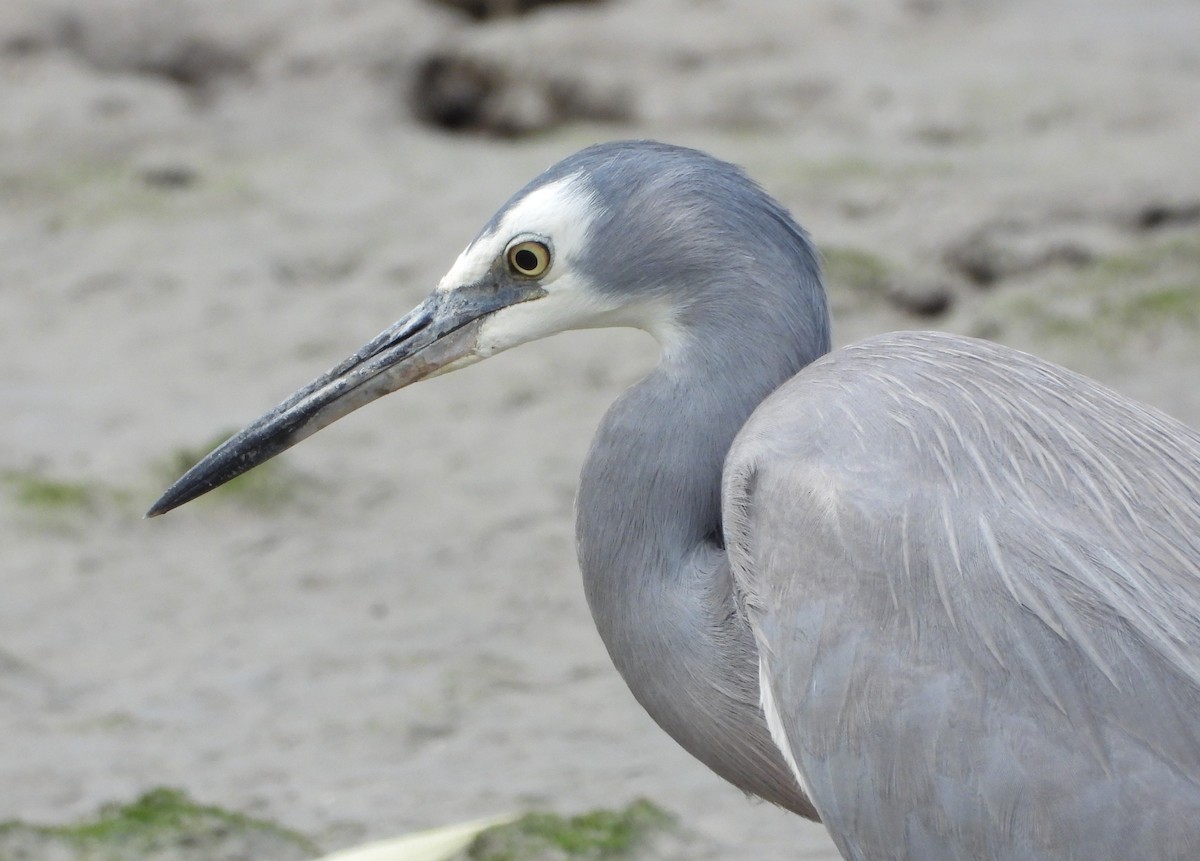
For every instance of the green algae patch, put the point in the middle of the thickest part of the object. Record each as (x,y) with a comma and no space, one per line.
(162,825)
(54,505)
(1117,301)
(855,269)
(33,491)
(599,835)
(854,278)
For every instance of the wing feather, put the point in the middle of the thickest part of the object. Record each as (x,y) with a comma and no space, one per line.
(974,579)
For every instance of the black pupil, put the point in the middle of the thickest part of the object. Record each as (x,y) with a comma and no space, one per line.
(526,260)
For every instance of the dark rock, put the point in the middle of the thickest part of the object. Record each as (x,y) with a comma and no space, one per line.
(997,251)
(195,63)
(483,10)
(461,93)
(170,176)
(921,298)
(1153,216)
(174,48)
(23,44)
(979,259)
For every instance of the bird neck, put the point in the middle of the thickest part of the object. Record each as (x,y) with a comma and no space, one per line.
(649,505)
(651,549)
(649,494)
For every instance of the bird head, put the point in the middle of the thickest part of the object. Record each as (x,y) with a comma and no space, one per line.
(632,233)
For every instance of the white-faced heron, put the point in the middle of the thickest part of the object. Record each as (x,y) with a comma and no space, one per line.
(936,592)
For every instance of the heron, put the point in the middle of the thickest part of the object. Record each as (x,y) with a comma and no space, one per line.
(937,593)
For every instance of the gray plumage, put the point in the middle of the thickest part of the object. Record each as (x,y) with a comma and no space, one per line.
(992,651)
(970,579)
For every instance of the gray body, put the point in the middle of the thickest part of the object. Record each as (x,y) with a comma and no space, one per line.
(939,593)
(975,578)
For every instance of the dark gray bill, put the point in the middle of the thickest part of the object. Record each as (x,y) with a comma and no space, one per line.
(438,332)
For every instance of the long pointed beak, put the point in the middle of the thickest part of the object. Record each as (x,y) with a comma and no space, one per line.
(438,335)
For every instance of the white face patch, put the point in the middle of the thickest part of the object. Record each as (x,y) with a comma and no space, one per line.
(561,215)
(561,212)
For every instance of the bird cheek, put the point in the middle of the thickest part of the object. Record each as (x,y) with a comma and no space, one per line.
(521,323)
(499,332)
(485,349)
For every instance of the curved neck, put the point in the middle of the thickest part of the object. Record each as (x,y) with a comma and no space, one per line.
(652,552)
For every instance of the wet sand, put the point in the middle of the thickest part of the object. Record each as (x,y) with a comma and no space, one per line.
(206,207)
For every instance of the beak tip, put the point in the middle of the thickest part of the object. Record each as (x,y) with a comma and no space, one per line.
(165,503)
(414,348)
(154,511)
(189,486)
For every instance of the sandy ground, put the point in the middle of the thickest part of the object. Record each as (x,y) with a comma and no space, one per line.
(204,205)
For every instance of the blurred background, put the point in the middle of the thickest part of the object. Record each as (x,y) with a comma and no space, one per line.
(205,204)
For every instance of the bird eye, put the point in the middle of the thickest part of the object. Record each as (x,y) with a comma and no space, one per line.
(529,258)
